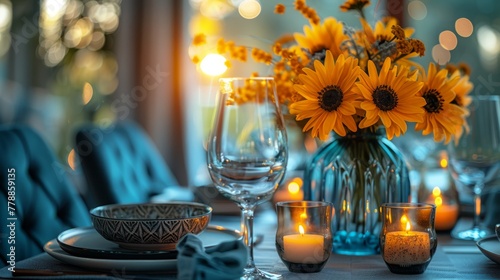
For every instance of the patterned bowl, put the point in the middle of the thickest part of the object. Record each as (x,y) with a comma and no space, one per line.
(151,226)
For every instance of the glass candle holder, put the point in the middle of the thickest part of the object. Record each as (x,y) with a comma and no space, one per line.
(304,237)
(438,187)
(408,239)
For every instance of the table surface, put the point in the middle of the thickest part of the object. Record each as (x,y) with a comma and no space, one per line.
(454,259)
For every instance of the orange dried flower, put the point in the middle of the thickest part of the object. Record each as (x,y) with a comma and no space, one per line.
(404,46)
(195,59)
(418,46)
(279,9)
(398,32)
(199,39)
(354,5)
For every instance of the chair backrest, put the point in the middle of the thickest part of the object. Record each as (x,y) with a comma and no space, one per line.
(121,164)
(37,200)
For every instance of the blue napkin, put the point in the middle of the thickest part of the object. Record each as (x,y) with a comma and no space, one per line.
(224,261)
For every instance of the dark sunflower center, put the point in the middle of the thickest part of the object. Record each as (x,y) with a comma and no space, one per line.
(433,100)
(330,98)
(385,98)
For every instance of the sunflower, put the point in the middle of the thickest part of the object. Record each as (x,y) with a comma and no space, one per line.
(462,90)
(329,96)
(390,97)
(321,37)
(462,99)
(442,118)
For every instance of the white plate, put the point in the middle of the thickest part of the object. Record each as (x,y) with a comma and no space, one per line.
(490,247)
(211,237)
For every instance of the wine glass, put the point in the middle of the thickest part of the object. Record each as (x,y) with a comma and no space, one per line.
(476,158)
(247,151)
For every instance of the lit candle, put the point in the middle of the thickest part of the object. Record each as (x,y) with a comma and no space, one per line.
(303,248)
(446,214)
(407,247)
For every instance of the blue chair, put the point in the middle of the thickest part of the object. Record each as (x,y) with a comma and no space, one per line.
(121,165)
(42,201)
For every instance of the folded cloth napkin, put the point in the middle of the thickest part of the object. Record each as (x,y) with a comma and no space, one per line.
(224,261)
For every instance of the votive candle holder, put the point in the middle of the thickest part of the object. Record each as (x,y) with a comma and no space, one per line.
(408,238)
(304,237)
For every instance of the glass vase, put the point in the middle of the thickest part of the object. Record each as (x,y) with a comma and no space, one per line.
(357,173)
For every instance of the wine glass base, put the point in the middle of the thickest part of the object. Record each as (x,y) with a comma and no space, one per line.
(475,233)
(254,274)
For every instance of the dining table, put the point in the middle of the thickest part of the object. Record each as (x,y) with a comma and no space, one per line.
(453,259)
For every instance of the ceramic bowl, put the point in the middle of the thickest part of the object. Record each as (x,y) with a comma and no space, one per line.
(152,226)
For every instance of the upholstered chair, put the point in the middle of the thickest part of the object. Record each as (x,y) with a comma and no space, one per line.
(37,200)
(121,164)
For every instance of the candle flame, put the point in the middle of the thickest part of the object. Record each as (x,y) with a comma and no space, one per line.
(438,201)
(404,219)
(408,227)
(303,215)
(436,191)
(301,230)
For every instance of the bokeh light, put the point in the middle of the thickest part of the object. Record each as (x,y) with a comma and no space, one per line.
(464,27)
(417,10)
(75,24)
(72,159)
(5,23)
(213,65)
(87,93)
(448,40)
(217,9)
(488,39)
(249,9)
(202,24)
(5,15)
(440,55)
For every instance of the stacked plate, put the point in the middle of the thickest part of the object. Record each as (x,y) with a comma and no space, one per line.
(86,248)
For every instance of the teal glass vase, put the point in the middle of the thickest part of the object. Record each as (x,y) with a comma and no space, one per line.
(357,173)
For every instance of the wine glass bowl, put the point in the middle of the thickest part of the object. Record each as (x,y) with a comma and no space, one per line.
(247,150)
(475,159)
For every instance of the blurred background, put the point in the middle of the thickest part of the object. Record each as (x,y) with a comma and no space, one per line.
(66,62)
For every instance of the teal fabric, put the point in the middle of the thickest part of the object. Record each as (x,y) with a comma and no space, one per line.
(44,202)
(224,261)
(121,164)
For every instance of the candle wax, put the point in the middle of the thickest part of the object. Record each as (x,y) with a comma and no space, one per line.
(446,216)
(303,248)
(407,247)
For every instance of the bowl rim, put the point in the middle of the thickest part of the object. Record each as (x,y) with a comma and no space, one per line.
(208,209)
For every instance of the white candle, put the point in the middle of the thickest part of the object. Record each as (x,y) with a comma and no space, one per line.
(446,214)
(407,247)
(303,248)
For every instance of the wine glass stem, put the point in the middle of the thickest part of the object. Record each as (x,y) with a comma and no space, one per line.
(247,215)
(477,204)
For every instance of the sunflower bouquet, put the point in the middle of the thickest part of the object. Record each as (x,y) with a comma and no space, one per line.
(333,77)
